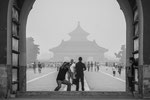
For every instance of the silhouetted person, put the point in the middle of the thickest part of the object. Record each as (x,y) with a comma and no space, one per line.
(39,67)
(88,66)
(61,76)
(119,69)
(131,74)
(92,66)
(114,71)
(95,66)
(34,67)
(80,67)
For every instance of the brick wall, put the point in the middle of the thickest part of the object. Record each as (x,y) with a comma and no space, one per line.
(146,80)
(3,81)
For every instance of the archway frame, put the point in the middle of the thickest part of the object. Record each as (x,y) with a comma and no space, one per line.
(127,6)
(25,10)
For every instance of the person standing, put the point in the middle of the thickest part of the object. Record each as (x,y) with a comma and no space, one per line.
(80,68)
(91,66)
(61,77)
(72,69)
(131,73)
(119,69)
(114,70)
(39,67)
(88,66)
(34,67)
(95,66)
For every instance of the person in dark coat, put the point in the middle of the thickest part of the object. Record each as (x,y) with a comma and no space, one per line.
(80,68)
(61,76)
(39,67)
(131,73)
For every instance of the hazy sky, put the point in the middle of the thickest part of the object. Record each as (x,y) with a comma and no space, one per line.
(50,21)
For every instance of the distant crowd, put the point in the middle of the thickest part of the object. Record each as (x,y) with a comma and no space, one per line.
(72,72)
(91,66)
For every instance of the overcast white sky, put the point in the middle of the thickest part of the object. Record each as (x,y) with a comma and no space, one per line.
(50,21)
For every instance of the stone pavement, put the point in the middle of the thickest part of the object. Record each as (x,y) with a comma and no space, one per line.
(101,80)
(73,99)
(73,87)
(75,96)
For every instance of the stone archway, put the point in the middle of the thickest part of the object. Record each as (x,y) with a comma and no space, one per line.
(125,7)
(132,9)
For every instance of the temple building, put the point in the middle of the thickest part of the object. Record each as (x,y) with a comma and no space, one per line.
(78,46)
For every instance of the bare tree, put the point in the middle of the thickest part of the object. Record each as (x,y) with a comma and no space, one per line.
(32,50)
(122,54)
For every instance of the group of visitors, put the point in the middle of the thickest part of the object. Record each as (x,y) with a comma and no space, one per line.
(74,72)
(39,66)
(116,69)
(93,66)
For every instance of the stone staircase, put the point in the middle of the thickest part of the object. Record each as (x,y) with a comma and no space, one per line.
(75,95)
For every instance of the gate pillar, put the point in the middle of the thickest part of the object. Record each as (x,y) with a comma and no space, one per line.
(5,74)
(146,48)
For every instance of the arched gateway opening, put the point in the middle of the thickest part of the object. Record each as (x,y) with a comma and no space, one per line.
(70,29)
(13,20)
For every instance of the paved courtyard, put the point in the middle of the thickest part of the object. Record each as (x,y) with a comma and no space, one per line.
(101,80)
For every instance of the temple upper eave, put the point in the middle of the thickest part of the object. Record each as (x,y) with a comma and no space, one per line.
(78,44)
